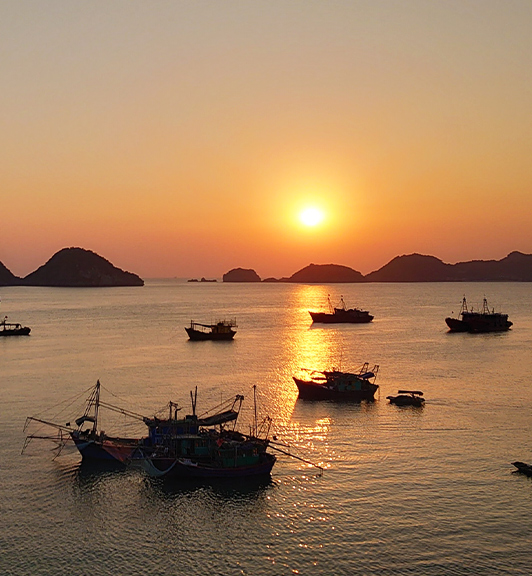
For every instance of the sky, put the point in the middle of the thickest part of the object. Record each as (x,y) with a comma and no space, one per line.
(185,138)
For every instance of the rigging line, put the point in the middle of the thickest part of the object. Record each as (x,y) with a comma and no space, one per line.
(112,393)
(298,458)
(71,401)
(228,402)
(123,411)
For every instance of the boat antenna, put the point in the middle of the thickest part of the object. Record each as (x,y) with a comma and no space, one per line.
(96,407)
(194,398)
(255,407)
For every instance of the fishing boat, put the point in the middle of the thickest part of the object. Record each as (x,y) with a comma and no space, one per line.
(407,398)
(337,385)
(482,321)
(11,329)
(221,330)
(207,446)
(523,468)
(341,314)
(92,443)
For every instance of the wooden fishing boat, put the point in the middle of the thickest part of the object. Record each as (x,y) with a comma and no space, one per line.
(407,398)
(341,314)
(92,443)
(337,385)
(485,320)
(206,447)
(11,329)
(221,330)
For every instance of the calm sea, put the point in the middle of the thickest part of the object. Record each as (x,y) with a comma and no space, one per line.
(405,491)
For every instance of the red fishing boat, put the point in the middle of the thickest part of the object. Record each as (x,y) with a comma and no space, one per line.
(337,385)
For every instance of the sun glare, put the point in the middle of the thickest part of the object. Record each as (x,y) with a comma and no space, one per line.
(311,216)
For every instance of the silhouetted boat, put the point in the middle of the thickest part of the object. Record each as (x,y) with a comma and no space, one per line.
(204,447)
(475,322)
(338,385)
(93,444)
(341,315)
(192,446)
(407,398)
(523,468)
(222,330)
(11,329)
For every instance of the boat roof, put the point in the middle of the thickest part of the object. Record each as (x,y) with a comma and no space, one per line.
(415,392)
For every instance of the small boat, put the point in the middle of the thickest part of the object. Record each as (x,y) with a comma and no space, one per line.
(474,322)
(222,330)
(11,329)
(337,385)
(341,314)
(407,398)
(523,468)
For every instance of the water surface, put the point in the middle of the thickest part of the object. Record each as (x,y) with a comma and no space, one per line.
(405,491)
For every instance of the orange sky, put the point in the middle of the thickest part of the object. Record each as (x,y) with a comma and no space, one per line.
(183,138)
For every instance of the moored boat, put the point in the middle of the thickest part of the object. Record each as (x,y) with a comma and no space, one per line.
(341,314)
(13,329)
(221,330)
(407,398)
(337,385)
(92,443)
(482,321)
(205,447)
(523,468)
(208,446)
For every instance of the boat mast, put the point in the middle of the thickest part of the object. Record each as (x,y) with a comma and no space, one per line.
(193,398)
(255,408)
(96,407)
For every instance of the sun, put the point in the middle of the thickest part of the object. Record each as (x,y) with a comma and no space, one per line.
(311,216)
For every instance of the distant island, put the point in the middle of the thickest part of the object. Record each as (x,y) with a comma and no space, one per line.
(73,267)
(77,267)
(203,279)
(516,267)
(241,275)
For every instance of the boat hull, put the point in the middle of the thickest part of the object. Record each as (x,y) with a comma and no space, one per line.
(23,331)
(185,468)
(406,401)
(341,318)
(523,468)
(198,335)
(120,450)
(477,325)
(315,391)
